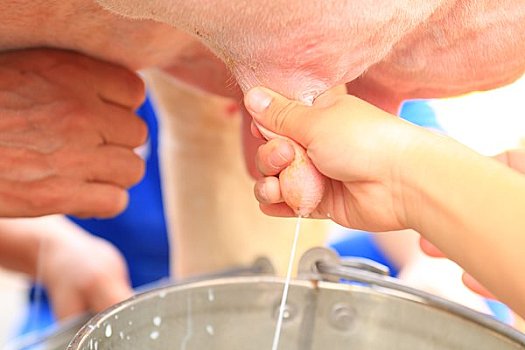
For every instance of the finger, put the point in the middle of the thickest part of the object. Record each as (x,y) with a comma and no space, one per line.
(279,210)
(514,159)
(68,304)
(121,127)
(268,191)
(274,156)
(476,287)
(255,131)
(110,82)
(57,195)
(116,84)
(82,199)
(104,164)
(250,144)
(430,249)
(96,200)
(117,166)
(279,115)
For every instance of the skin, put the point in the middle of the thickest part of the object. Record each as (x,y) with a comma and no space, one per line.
(49,137)
(66,147)
(207,192)
(371,52)
(300,182)
(302,49)
(385,174)
(85,273)
(514,159)
(79,271)
(399,51)
(402,45)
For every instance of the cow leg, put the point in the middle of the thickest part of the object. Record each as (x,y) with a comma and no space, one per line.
(214,219)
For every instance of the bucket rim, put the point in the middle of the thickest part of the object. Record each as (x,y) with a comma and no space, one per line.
(435,302)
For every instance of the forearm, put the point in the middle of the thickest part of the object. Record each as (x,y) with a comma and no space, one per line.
(19,245)
(22,240)
(473,209)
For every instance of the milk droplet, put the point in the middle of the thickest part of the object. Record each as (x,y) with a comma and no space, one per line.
(286,314)
(96,344)
(127,337)
(121,335)
(211,296)
(157,320)
(210,330)
(109,332)
(162,294)
(130,323)
(116,317)
(132,308)
(154,335)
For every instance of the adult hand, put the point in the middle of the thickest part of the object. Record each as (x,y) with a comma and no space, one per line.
(82,273)
(345,138)
(67,134)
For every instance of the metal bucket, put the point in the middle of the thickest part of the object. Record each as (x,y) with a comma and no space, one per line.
(240,313)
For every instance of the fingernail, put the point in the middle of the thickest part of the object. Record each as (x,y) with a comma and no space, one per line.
(257,100)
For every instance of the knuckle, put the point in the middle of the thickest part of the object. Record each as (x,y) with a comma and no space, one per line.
(74,113)
(46,197)
(265,162)
(280,116)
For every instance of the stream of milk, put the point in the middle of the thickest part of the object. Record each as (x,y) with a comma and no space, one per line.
(277,334)
(189,324)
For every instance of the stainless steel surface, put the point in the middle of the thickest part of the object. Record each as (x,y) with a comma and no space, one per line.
(365,265)
(393,286)
(54,338)
(311,259)
(58,336)
(307,267)
(342,316)
(238,313)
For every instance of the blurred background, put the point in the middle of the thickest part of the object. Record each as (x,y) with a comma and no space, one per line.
(488,122)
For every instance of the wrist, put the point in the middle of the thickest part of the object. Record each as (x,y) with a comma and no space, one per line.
(422,152)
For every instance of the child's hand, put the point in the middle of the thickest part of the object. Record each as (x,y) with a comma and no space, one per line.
(359,148)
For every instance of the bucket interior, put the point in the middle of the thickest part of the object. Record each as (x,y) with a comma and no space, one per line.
(241,314)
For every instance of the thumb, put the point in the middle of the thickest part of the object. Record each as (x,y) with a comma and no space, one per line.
(476,287)
(278,114)
(514,159)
